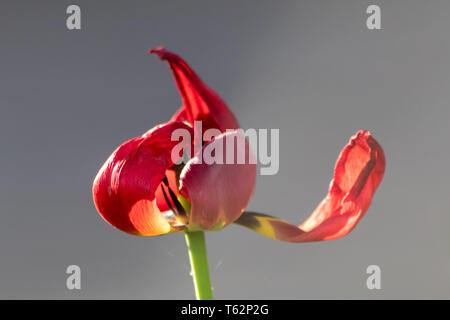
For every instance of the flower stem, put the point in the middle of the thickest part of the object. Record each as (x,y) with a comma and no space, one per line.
(199,264)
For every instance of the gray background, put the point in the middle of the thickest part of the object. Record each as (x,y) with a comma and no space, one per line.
(310,68)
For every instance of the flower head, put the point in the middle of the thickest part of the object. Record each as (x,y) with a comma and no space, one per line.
(144,190)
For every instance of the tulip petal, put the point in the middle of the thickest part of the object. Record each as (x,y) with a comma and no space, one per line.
(200,102)
(124,188)
(218,193)
(358,172)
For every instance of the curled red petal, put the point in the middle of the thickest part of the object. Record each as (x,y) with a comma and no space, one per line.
(124,188)
(218,193)
(358,172)
(200,102)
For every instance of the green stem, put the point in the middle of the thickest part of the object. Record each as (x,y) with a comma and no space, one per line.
(199,264)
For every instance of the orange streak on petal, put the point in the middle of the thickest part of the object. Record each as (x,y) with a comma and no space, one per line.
(146,218)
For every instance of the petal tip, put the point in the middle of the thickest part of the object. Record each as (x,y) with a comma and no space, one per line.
(365,134)
(161,52)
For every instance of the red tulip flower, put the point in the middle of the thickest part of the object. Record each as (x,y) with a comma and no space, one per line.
(142,190)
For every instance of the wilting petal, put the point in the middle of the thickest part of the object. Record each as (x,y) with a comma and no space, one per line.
(200,102)
(124,188)
(219,193)
(358,172)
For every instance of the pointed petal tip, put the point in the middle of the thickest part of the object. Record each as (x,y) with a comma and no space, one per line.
(200,102)
(162,53)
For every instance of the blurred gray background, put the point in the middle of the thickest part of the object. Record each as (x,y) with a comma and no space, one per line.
(310,68)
